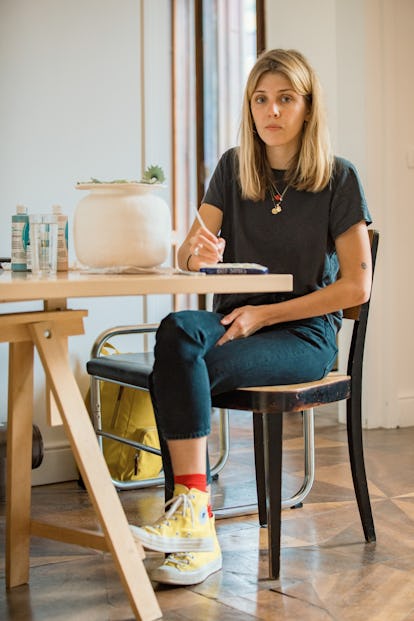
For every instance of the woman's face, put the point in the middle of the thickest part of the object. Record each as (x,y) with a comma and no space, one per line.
(279,113)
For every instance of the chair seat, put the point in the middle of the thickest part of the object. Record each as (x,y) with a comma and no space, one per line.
(133,370)
(129,369)
(287,397)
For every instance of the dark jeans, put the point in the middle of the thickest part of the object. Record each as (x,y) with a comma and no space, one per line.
(189,368)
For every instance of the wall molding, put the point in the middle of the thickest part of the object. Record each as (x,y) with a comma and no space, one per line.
(58,465)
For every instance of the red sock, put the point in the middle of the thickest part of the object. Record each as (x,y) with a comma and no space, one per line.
(197,481)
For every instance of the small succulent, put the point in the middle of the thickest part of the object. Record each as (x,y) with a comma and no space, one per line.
(153,174)
(95,180)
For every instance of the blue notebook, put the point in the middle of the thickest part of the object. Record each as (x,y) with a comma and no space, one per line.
(234,268)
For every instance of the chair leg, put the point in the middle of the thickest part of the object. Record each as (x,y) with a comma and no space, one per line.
(309,462)
(272,444)
(309,472)
(356,457)
(260,467)
(224,443)
(95,405)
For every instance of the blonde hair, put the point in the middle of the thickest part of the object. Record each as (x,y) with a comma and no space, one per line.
(311,169)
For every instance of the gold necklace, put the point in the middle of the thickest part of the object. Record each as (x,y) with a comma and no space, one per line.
(277,198)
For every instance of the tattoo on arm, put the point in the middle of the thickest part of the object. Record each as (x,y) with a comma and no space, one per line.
(364,265)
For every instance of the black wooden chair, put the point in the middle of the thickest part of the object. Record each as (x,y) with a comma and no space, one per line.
(269,404)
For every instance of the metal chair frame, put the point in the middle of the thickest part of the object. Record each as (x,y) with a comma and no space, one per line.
(223,427)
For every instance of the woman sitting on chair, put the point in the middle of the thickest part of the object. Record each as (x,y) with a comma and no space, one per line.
(282,200)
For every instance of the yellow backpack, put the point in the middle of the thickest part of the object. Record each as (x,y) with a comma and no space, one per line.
(128,412)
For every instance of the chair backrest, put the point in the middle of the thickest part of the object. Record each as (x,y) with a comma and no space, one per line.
(360,316)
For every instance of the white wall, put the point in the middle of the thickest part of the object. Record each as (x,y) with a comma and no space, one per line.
(76,80)
(394,110)
(363,51)
(310,28)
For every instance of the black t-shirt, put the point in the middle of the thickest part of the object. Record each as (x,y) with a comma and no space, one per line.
(300,240)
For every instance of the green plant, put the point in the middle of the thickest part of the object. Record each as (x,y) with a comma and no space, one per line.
(153,174)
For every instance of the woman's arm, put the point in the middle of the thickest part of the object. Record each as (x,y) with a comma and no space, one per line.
(352,288)
(202,246)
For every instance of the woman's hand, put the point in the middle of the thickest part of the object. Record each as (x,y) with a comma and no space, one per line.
(243,322)
(202,246)
(205,248)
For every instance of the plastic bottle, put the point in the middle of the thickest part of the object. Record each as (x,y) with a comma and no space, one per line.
(62,259)
(20,239)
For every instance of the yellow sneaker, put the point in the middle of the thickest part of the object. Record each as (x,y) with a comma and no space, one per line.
(184,527)
(186,568)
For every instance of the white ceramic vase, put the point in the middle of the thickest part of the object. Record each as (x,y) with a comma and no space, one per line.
(121,224)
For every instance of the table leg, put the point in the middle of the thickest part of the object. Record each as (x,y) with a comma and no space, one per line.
(19,463)
(94,471)
(52,413)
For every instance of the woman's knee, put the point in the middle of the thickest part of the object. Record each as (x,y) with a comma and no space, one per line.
(173,328)
(201,328)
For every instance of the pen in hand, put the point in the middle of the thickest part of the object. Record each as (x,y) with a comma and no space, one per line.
(220,241)
(200,219)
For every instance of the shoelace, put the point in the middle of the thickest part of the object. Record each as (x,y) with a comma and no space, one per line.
(179,559)
(183,502)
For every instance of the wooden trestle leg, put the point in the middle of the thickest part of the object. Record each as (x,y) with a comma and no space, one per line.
(49,338)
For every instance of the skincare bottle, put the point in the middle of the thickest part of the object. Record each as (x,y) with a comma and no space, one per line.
(20,239)
(62,259)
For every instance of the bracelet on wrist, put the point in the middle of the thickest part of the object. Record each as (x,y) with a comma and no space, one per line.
(188,263)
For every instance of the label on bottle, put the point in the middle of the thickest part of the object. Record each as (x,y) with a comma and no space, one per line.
(20,242)
(62,249)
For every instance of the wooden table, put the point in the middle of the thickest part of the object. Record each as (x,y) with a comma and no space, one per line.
(47,330)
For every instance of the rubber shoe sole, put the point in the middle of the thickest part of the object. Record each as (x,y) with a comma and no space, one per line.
(172,544)
(171,575)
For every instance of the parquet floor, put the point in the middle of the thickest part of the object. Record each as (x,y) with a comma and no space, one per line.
(328,571)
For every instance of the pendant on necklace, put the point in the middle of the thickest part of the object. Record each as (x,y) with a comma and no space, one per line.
(277,199)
